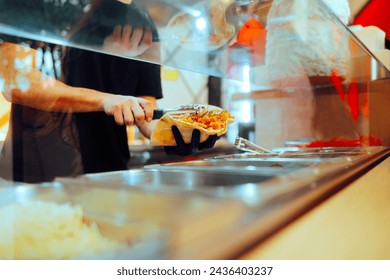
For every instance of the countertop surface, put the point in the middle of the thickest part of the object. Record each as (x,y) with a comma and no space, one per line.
(142,155)
(353,224)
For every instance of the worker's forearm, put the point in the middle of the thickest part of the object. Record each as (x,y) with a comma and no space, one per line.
(52,95)
(26,85)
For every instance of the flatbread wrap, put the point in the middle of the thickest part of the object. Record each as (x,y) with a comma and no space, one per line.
(213,121)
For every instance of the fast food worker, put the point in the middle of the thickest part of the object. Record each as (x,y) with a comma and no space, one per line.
(85,129)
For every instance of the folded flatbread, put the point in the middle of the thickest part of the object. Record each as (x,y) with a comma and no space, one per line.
(212,122)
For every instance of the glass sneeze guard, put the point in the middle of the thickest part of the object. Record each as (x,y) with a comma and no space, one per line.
(223,38)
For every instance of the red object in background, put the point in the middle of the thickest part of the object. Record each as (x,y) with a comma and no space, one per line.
(353,104)
(377,13)
(253,36)
(251,33)
(338,84)
(341,142)
(353,100)
(353,94)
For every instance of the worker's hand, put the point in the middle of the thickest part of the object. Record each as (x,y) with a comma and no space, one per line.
(128,40)
(128,109)
(183,149)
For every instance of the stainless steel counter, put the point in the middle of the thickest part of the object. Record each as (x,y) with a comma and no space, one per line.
(142,155)
(269,190)
(211,208)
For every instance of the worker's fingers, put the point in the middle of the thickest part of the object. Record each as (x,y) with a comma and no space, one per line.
(117,33)
(126,36)
(146,40)
(128,109)
(128,115)
(118,116)
(138,113)
(129,40)
(135,39)
(147,107)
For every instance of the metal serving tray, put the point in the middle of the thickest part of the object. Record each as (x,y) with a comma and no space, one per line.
(236,167)
(244,187)
(267,199)
(141,239)
(312,155)
(156,224)
(251,178)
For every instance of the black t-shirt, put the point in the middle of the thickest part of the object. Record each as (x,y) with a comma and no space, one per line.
(103,143)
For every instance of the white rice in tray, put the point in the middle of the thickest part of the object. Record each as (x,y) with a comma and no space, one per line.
(46,230)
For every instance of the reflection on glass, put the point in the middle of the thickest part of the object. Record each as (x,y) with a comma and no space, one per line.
(192,31)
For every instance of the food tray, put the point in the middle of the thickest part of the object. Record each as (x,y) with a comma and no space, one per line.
(149,225)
